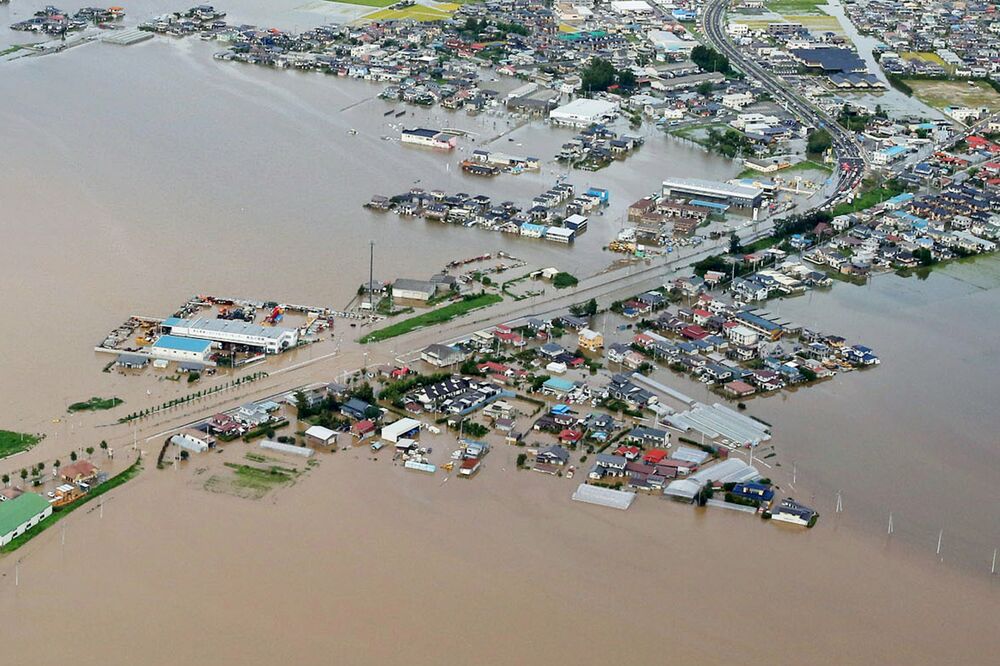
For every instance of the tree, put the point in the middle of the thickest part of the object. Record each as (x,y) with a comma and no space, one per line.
(563,279)
(710,60)
(57,464)
(626,78)
(24,474)
(90,451)
(521,459)
(819,141)
(705,88)
(104,445)
(73,456)
(588,309)
(734,244)
(6,480)
(598,75)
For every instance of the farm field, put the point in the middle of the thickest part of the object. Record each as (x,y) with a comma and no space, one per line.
(942,94)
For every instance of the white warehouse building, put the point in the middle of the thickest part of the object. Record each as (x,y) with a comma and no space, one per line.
(583,112)
(272,339)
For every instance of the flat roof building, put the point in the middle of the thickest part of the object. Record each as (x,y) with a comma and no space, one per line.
(272,339)
(177,348)
(583,112)
(747,196)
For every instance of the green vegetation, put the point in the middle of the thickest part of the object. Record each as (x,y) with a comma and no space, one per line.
(852,119)
(474,27)
(59,513)
(14,442)
(600,75)
(250,482)
(588,309)
(474,430)
(439,316)
(819,142)
(563,280)
(95,404)
(710,60)
(366,3)
(729,143)
(711,263)
(416,12)
(871,197)
(795,7)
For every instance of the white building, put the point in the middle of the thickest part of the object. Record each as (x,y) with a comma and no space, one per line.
(743,335)
(177,348)
(583,112)
(737,100)
(20,514)
(189,443)
(428,138)
(403,428)
(413,290)
(272,339)
(632,7)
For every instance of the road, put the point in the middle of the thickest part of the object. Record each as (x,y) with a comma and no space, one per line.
(852,161)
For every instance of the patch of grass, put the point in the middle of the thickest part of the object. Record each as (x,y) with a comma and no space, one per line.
(249,482)
(941,94)
(564,279)
(433,317)
(416,12)
(14,442)
(866,200)
(366,3)
(95,404)
(58,514)
(795,7)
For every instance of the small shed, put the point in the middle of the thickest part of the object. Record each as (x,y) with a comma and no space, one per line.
(321,436)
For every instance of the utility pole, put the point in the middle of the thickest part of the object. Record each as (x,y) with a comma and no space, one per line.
(371,275)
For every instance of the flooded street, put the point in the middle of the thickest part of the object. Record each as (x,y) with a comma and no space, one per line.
(136,177)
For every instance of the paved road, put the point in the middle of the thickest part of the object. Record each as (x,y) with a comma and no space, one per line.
(852,160)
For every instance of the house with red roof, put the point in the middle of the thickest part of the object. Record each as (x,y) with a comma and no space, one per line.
(570,436)
(363,428)
(629,452)
(694,332)
(654,456)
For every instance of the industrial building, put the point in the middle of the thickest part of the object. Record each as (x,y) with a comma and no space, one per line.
(428,138)
(176,348)
(744,196)
(20,514)
(560,234)
(403,428)
(583,112)
(272,339)
(413,290)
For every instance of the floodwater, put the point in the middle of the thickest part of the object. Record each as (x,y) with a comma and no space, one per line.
(364,563)
(135,177)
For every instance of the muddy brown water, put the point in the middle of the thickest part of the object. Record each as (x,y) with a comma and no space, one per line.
(134,178)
